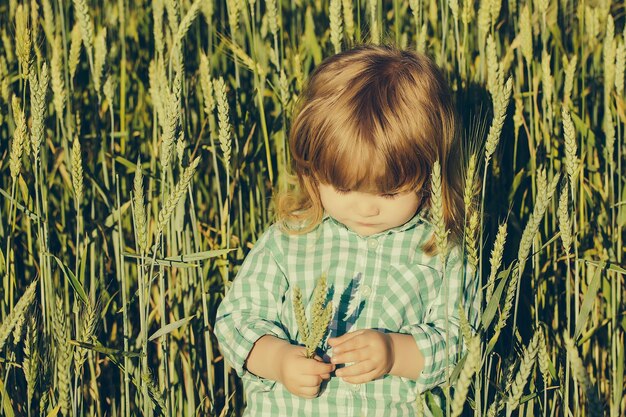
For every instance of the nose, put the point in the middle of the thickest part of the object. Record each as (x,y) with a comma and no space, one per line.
(367,208)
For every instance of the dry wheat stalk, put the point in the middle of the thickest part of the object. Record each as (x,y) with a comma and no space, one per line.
(471,238)
(544,360)
(547,83)
(157,15)
(188,19)
(494,73)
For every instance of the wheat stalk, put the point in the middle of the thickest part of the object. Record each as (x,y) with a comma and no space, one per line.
(20,136)
(526,34)
(188,19)
(313,333)
(23,40)
(140,209)
(29,364)
(500,104)
(569,78)
(580,373)
(544,361)
(174,197)
(58,83)
(525,368)
(75,47)
(64,357)
(441,234)
(547,83)
(153,391)
(298,308)
(85,25)
(336,28)
(222,119)
(271,8)
(472,362)
(620,66)
(564,224)
(100,48)
(375,36)
(48,19)
(157,16)
(348,18)
(571,161)
(77,170)
(89,314)
(38,89)
(494,73)
(472,241)
(496,259)
(206,84)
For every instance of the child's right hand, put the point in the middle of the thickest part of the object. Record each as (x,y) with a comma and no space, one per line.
(300,375)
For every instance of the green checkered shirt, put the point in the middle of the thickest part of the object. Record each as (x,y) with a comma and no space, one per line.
(384,282)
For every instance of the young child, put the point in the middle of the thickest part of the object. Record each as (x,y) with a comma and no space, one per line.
(370,124)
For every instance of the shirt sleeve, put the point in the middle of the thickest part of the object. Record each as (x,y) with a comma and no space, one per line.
(251,308)
(457,285)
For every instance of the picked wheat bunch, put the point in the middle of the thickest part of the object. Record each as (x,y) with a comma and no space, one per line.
(313,333)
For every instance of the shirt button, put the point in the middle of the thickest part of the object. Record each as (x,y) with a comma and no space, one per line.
(372,243)
(366,291)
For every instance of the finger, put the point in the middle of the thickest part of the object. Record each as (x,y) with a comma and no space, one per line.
(356,343)
(325,376)
(361,379)
(353,355)
(358,368)
(336,341)
(317,368)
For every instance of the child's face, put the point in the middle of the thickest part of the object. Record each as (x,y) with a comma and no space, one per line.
(366,213)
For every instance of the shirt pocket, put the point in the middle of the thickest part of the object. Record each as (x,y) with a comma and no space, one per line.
(405,294)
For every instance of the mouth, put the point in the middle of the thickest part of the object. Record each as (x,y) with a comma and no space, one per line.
(366,224)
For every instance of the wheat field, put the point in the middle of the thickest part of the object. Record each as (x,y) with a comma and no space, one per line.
(141,142)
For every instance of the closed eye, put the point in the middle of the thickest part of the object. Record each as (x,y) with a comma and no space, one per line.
(390,196)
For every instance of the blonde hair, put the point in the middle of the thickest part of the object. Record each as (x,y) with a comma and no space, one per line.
(373,118)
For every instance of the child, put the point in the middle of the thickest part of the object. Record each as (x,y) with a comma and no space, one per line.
(371,123)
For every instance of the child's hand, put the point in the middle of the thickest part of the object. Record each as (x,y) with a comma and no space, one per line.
(370,351)
(300,375)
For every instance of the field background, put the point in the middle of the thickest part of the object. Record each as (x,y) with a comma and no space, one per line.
(117,243)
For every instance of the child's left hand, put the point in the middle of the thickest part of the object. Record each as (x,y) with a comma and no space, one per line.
(370,351)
